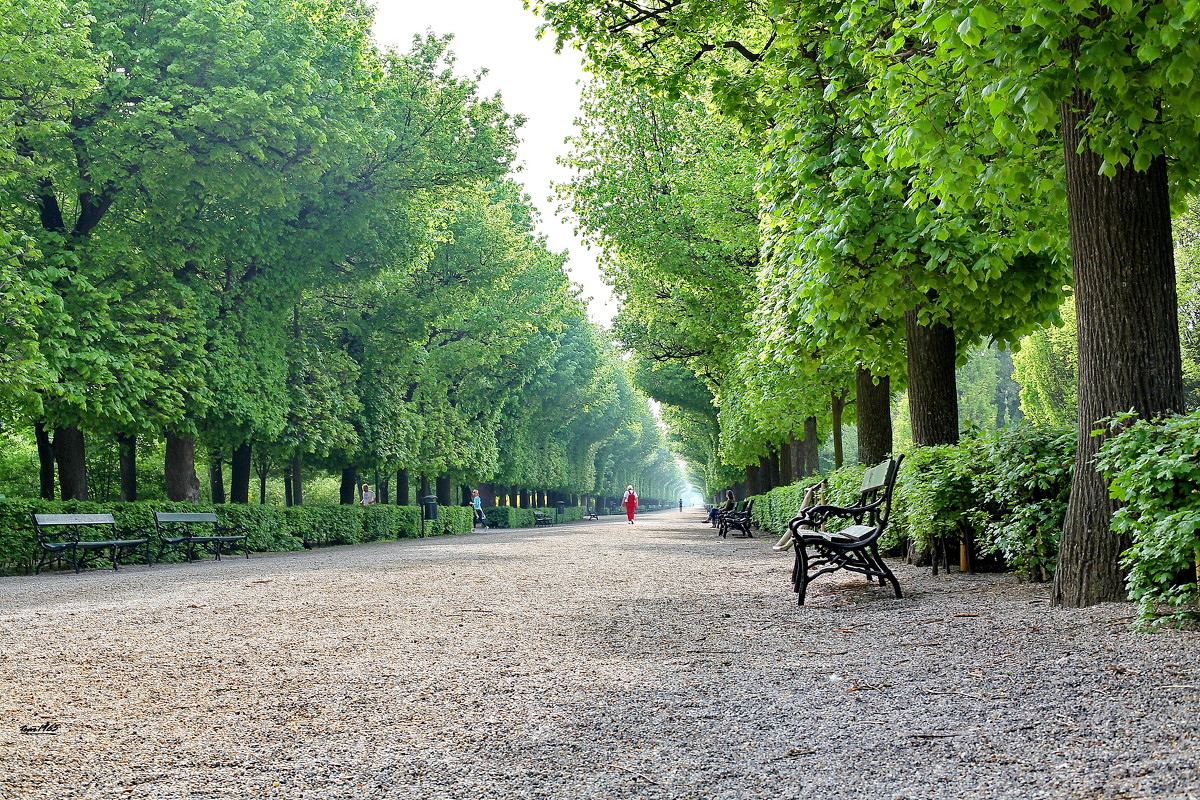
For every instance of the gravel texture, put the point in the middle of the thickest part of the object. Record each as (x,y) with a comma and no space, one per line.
(597,660)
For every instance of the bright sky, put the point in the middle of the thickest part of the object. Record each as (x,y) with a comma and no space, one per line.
(500,36)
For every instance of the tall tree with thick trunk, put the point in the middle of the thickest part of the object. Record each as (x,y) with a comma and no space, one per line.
(1129,357)
(179,468)
(873,401)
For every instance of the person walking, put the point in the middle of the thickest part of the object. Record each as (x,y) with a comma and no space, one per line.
(630,502)
(368,497)
(477,505)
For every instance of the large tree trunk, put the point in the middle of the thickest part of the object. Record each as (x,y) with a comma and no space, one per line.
(1126,305)
(812,446)
(837,406)
(127,466)
(179,469)
(69,452)
(402,493)
(932,387)
(45,451)
(216,477)
(753,474)
(445,492)
(346,495)
(873,402)
(239,474)
(298,479)
(786,472)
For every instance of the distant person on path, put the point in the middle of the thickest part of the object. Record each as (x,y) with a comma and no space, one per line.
(681,505)
(729,505)
(477,504)
(630,502)
(368,497)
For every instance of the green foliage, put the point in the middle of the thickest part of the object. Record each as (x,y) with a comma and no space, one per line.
(1046,367)
(1007,489)
(1154,468)
(385,522)
(509,517)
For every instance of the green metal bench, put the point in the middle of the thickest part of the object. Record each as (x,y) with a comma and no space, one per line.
(853,547)
(63,535)
(178,529)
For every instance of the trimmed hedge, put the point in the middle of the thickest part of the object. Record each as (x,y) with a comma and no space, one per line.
(509,517)
(269,528)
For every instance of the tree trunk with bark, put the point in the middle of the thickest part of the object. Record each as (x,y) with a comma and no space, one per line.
(349,487)
(811,445)
(45,451)
(402,492)
(932,383)
(179,469)
(127,461)
(240,467)
(837,407)
(873,399)
(1126,304)
(445,492)
(70,453)
(298,479)
(216,478)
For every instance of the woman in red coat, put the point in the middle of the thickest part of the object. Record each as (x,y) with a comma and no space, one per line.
(630,502)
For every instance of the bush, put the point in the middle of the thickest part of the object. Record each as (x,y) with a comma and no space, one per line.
(509,517)
(385,522)
(1153,468)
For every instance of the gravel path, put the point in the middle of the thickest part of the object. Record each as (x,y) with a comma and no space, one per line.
(596,660)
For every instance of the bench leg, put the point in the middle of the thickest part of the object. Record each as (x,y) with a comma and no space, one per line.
(800,572)
(887,572)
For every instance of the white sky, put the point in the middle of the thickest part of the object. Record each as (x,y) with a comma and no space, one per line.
(500,36)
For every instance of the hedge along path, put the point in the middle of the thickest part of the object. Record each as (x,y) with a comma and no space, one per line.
(580,661)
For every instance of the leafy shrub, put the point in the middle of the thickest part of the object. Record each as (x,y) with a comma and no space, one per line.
(1154,468)
(1026,487)
(509,517)
(387,522)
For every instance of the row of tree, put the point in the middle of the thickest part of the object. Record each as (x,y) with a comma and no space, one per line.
(245,229)
(887,185)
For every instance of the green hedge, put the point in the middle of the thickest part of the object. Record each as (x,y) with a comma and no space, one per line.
(1154,470)
(269,528)
(509,517)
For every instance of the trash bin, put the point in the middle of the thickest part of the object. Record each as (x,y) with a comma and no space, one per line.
(560,507)
(430,504)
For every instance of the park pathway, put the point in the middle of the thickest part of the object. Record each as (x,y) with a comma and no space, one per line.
(592,660)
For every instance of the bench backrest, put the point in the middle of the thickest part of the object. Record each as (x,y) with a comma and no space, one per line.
(881,477)
(172,516)
(70,523)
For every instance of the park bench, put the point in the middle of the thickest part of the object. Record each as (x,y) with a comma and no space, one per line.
(736,520)
(179,529)
(592,515)
(540,518)
(62,535)
(854,547)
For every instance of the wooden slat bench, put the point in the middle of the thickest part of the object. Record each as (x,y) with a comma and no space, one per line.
(177,529)
(62,535)
(540,518)
(854,547)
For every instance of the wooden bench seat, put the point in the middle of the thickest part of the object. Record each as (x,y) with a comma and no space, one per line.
(178,529)
(62,535)
(853,547)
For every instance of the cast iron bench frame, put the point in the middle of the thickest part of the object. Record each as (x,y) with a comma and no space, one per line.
(541,518)
(854,547)
(55,546)
(737,519)
(175,530)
